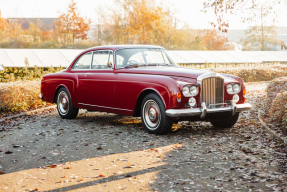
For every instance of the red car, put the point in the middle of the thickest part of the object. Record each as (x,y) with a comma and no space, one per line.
(142,80)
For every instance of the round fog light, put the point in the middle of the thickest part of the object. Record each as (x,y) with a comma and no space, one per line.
(192,102)
(235,98)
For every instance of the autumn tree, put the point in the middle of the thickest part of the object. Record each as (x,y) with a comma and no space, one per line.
(247,9)
(261,36)
(145,21)
(14,33)
(72,26)
(3,27)
(213,41)
(34,31)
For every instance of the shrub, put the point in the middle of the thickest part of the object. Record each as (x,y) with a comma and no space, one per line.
(26,73)
(276,102)
(253,74)
(20,95)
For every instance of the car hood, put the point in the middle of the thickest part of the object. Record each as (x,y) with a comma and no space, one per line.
(167,70)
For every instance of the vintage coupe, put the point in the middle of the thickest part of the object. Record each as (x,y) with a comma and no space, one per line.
(142,80)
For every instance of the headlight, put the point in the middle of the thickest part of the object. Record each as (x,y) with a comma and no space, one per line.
(235,98)
(233,88)
(193,90)
(192,102)
(185,91)
(190,90)
(229,89)
(236,88)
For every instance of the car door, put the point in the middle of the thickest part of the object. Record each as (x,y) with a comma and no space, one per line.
(97,84)
(81,67)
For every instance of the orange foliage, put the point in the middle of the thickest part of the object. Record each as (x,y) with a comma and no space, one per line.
(144,19)
(45,35)
(3,24)
(71,25)
(213,41)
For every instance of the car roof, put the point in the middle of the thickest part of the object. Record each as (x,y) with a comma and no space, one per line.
(116,47)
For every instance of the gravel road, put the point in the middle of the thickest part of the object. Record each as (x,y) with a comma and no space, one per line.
(107,152)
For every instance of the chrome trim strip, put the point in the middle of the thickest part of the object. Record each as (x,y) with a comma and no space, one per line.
(92,52)
(201,111)
(208,75)
(104,107)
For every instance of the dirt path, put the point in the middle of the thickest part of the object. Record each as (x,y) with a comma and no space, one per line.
(106,152)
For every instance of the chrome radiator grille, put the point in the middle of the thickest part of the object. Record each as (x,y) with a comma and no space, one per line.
(212,90)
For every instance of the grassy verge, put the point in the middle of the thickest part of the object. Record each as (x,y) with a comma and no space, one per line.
(20,96)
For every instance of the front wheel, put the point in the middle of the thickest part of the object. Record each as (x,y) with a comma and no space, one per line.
(225,123)
(65,106)
(153,115)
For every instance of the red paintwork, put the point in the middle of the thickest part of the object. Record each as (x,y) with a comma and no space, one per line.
(118,90)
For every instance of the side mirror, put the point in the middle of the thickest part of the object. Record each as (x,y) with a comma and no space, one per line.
(1,68)
(109,64)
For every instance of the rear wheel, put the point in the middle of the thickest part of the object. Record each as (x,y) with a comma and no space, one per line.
(225,123)
(65,106)
(153,115)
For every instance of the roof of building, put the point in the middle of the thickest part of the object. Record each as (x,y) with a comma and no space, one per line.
(64,57)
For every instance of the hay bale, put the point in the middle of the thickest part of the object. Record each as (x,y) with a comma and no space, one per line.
(276,102)
(277,86)
(278,111)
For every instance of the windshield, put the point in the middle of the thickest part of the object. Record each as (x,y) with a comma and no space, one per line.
(137,57)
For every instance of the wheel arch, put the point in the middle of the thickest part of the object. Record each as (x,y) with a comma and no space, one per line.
(145,92)
(57,90)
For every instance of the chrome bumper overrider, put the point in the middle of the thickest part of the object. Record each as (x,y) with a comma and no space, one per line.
(204,110)
(40,96)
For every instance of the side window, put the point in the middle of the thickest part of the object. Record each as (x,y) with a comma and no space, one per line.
(101,59)
(120,60)
(84,62)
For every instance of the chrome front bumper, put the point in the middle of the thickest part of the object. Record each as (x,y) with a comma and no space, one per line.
(201,112)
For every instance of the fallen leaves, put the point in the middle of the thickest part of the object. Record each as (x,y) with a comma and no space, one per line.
(8,152)
(99,176)
(68,168)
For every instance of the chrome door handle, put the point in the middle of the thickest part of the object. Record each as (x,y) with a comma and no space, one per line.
(88,74)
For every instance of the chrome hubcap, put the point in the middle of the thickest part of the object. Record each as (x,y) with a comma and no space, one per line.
(151,115)
(63,103)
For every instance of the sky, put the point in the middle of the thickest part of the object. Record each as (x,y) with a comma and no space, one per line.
(188,11)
